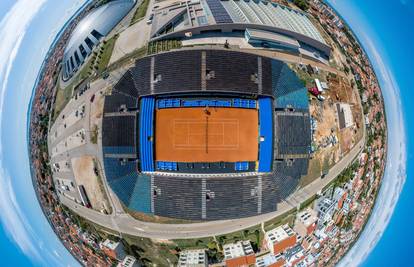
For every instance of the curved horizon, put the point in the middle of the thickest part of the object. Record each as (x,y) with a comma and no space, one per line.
(28,237)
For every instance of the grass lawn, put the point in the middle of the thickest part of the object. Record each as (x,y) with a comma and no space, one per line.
(164,45)
(64,95)
(140,12)
(62,98)
(254,234)
(151,253)
(284,218)
(105,54)
(308,202)
(205,242)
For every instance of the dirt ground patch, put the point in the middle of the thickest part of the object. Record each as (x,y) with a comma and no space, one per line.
(96,114)
(97,108)
(83,169)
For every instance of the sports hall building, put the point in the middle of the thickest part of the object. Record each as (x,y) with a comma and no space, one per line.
(206,134)
(261,23)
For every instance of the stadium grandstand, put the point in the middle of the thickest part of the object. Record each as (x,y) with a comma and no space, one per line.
(206,134)
(261,23)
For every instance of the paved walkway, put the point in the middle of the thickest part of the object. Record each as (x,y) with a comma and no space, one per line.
(132,38)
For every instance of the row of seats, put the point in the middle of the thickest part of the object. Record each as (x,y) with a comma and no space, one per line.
(290,91)
(205,103)
(116,168)
(236,102)
(180,71)
(119,131)
(293,135)
(244,103)
(225,197)
(266,132)
(121,150)
(118,101)
(167,166)
(168,103)
(233,71)
(140,199)
(146,131)
(241,166)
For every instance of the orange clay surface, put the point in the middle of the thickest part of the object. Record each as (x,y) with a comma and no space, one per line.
(206,134)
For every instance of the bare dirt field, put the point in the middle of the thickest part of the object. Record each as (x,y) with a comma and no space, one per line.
(97,108)
(83,169)
(96,113)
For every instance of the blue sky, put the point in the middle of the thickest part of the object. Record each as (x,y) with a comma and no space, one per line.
(26,237)
(390,29)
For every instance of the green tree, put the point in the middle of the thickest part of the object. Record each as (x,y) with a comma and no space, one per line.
(378,116)
(302,4)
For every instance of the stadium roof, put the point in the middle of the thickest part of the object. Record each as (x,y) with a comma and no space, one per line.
(185,18)
(272,14)
(89,31)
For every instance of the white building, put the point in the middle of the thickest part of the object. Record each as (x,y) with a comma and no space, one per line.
(325,209)
(238,249)
(305,222)
(269,259)
(319,85)
(345,116)
(339,196)
(193,258)
(280,239)
(113,249)
(128,261)
(294,255)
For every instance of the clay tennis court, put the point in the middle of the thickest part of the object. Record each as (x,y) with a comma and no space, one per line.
(206,135)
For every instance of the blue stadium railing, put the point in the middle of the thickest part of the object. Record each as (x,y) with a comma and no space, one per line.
(235,102)
(167,166)
(241,166)
(266,133)
(146,133)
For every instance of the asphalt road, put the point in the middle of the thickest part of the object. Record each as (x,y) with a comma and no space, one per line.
(125,224)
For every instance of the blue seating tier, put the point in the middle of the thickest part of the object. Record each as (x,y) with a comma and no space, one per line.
(168,103)
(289,90)
(146,133)
(241,166)
(244,103)
(166,166)
(236,103)
(141,196)
(266,132)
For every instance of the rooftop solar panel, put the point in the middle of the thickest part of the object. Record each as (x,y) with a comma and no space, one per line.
(219,13)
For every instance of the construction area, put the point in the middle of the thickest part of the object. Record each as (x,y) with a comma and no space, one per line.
(336,118)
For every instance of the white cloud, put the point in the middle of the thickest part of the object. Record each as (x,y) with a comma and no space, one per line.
(395,172)
(12,31)
(13,213)
(14,220)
